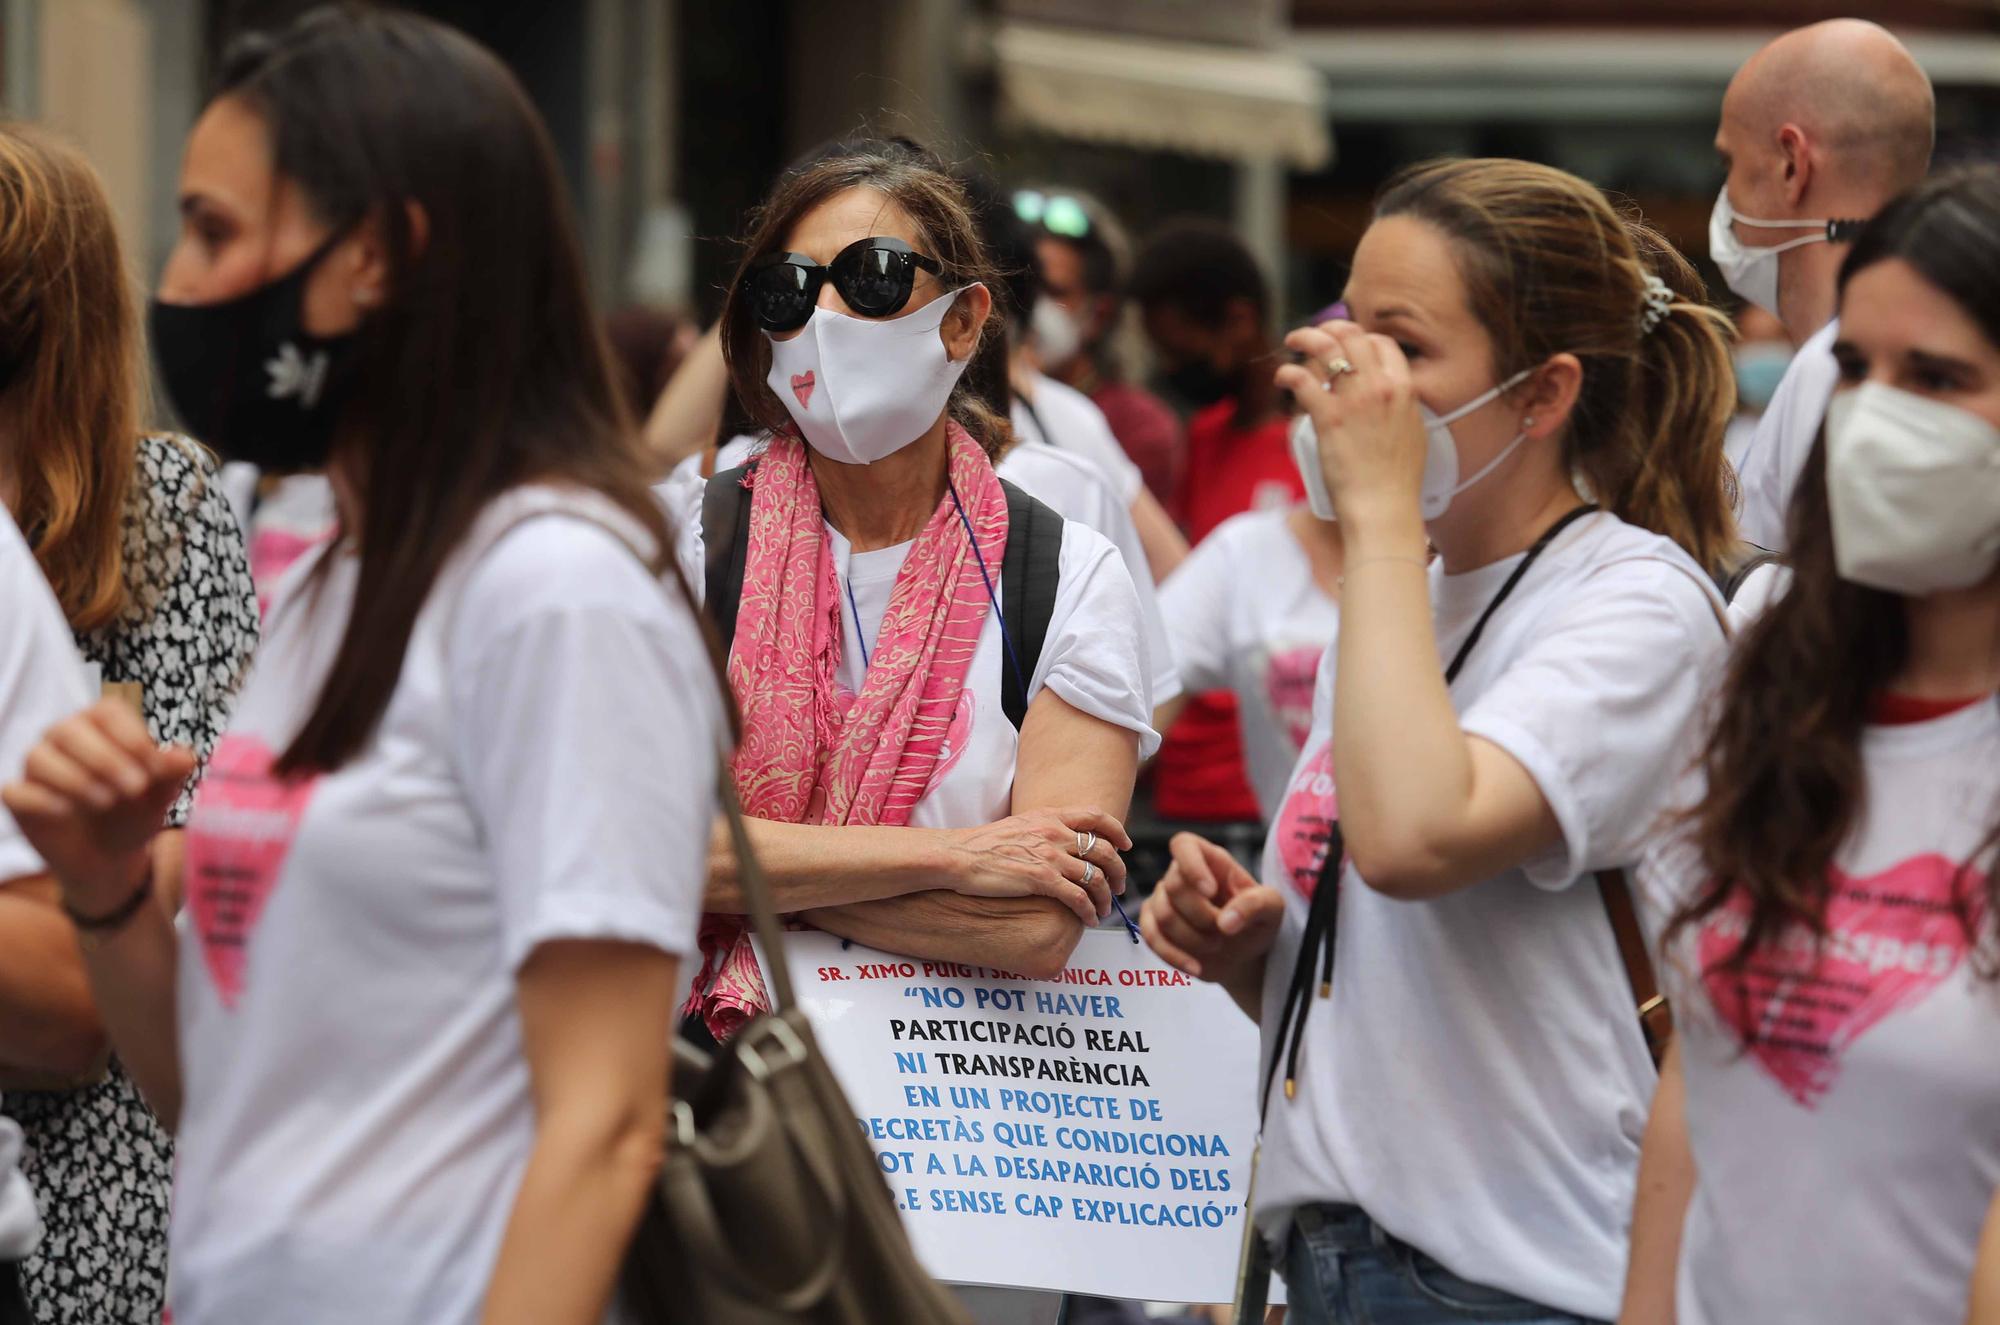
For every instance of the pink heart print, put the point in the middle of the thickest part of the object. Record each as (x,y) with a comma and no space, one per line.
(1305,821)
(1799,1005)
(1290,677)
(802,387)
(242,829)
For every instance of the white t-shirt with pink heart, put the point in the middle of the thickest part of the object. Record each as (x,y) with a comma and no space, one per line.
(1477,1081)
(1245,614)
(357,1111)
(1843,1099)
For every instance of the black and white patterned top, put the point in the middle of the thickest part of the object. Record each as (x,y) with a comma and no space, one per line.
(100,1163)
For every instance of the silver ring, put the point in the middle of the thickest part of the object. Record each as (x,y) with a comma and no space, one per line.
(1339,368)
(1091,845)
(1089,873)
(1082,847)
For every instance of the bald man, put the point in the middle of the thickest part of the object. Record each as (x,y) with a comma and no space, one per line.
(1819,130)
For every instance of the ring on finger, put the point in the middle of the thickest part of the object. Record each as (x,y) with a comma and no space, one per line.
(1337,368)
(1089,873)
(1089,846)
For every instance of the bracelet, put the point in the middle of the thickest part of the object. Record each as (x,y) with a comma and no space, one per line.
(117,917)
(1421,563)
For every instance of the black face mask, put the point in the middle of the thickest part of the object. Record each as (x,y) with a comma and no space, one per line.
(1200,382)
(247,379)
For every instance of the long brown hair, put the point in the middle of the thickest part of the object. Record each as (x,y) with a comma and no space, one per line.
(487,368)
(71,386)
(1550,267)
(1785,779)
(921,184)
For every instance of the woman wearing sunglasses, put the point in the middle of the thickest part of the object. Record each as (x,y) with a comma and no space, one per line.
(413,1038)
(892,799)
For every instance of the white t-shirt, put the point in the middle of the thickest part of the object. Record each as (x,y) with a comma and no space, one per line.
(1478,1082)
(1245,615)
(1847,1157)
(1077,490)
(41,683)
(1785,435)
(1073,422)
(1094,657)
(357,1110)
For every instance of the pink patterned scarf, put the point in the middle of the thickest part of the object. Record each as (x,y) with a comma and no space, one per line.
(808,755)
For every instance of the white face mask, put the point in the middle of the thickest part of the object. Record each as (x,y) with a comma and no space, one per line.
(1441,483)
(1057,337)
(1753,272)
(861,389)
(1913,489)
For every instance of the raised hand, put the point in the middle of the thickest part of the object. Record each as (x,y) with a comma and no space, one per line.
(91,797)
(1211,919)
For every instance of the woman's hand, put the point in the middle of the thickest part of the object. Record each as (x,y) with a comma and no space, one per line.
(1210,919)
(1036,855)
(1371,436)
(91,798)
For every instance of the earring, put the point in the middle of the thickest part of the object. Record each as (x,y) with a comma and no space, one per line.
(365,298)
(1527,423)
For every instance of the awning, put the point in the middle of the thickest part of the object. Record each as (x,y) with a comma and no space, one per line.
(1188,97)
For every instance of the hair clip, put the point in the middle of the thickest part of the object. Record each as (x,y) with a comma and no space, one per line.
(1659,302)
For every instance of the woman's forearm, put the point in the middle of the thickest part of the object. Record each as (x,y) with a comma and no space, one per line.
(1164,544)
(49,1028)
(1659,1209)
(1029,936)
(815,865)
(132,975)
(573,1218)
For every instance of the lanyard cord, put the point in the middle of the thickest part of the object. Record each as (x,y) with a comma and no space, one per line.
(1007,638)
(1316,948)
(860,637)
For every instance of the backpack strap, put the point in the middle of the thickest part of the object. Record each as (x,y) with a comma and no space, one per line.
(1656,1015)
(725,545)
(1029,574)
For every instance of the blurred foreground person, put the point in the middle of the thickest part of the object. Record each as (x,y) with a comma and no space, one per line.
(414,1033)
(137,540)
(1828,1141)
(1458,1074)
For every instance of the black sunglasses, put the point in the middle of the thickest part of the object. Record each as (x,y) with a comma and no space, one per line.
(874,276)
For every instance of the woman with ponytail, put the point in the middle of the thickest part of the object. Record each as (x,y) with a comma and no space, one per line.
(1830,894)
(1457,1073)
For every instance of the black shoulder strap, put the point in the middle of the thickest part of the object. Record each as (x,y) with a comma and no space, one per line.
(1744,560)
(1029,573)
(725,545)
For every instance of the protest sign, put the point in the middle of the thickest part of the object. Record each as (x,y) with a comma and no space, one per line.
(1089,1134)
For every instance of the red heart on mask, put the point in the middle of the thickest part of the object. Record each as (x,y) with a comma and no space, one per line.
(1801,1002)
(241,832)
(802,387)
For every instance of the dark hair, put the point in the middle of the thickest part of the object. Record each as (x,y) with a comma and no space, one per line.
(1550,267)
(1103,248)
(486,368)
(645,351)
(1197,267)
(1010,245)
(1785,779)
(917,181)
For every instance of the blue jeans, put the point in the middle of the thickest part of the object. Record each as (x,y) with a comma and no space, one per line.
(1341,1268)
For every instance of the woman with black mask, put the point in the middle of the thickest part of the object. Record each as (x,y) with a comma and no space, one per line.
(414,1037)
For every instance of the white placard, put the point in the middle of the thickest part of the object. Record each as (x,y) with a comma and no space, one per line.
(1091,1134)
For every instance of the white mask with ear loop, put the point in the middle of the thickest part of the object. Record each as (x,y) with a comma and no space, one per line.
(1441,482)
(1753,272)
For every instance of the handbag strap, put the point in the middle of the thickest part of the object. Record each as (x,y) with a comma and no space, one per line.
(1656,1015)
(757,892)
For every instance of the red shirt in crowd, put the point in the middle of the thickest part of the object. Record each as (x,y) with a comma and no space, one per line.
(1149,432)
(1229,470)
